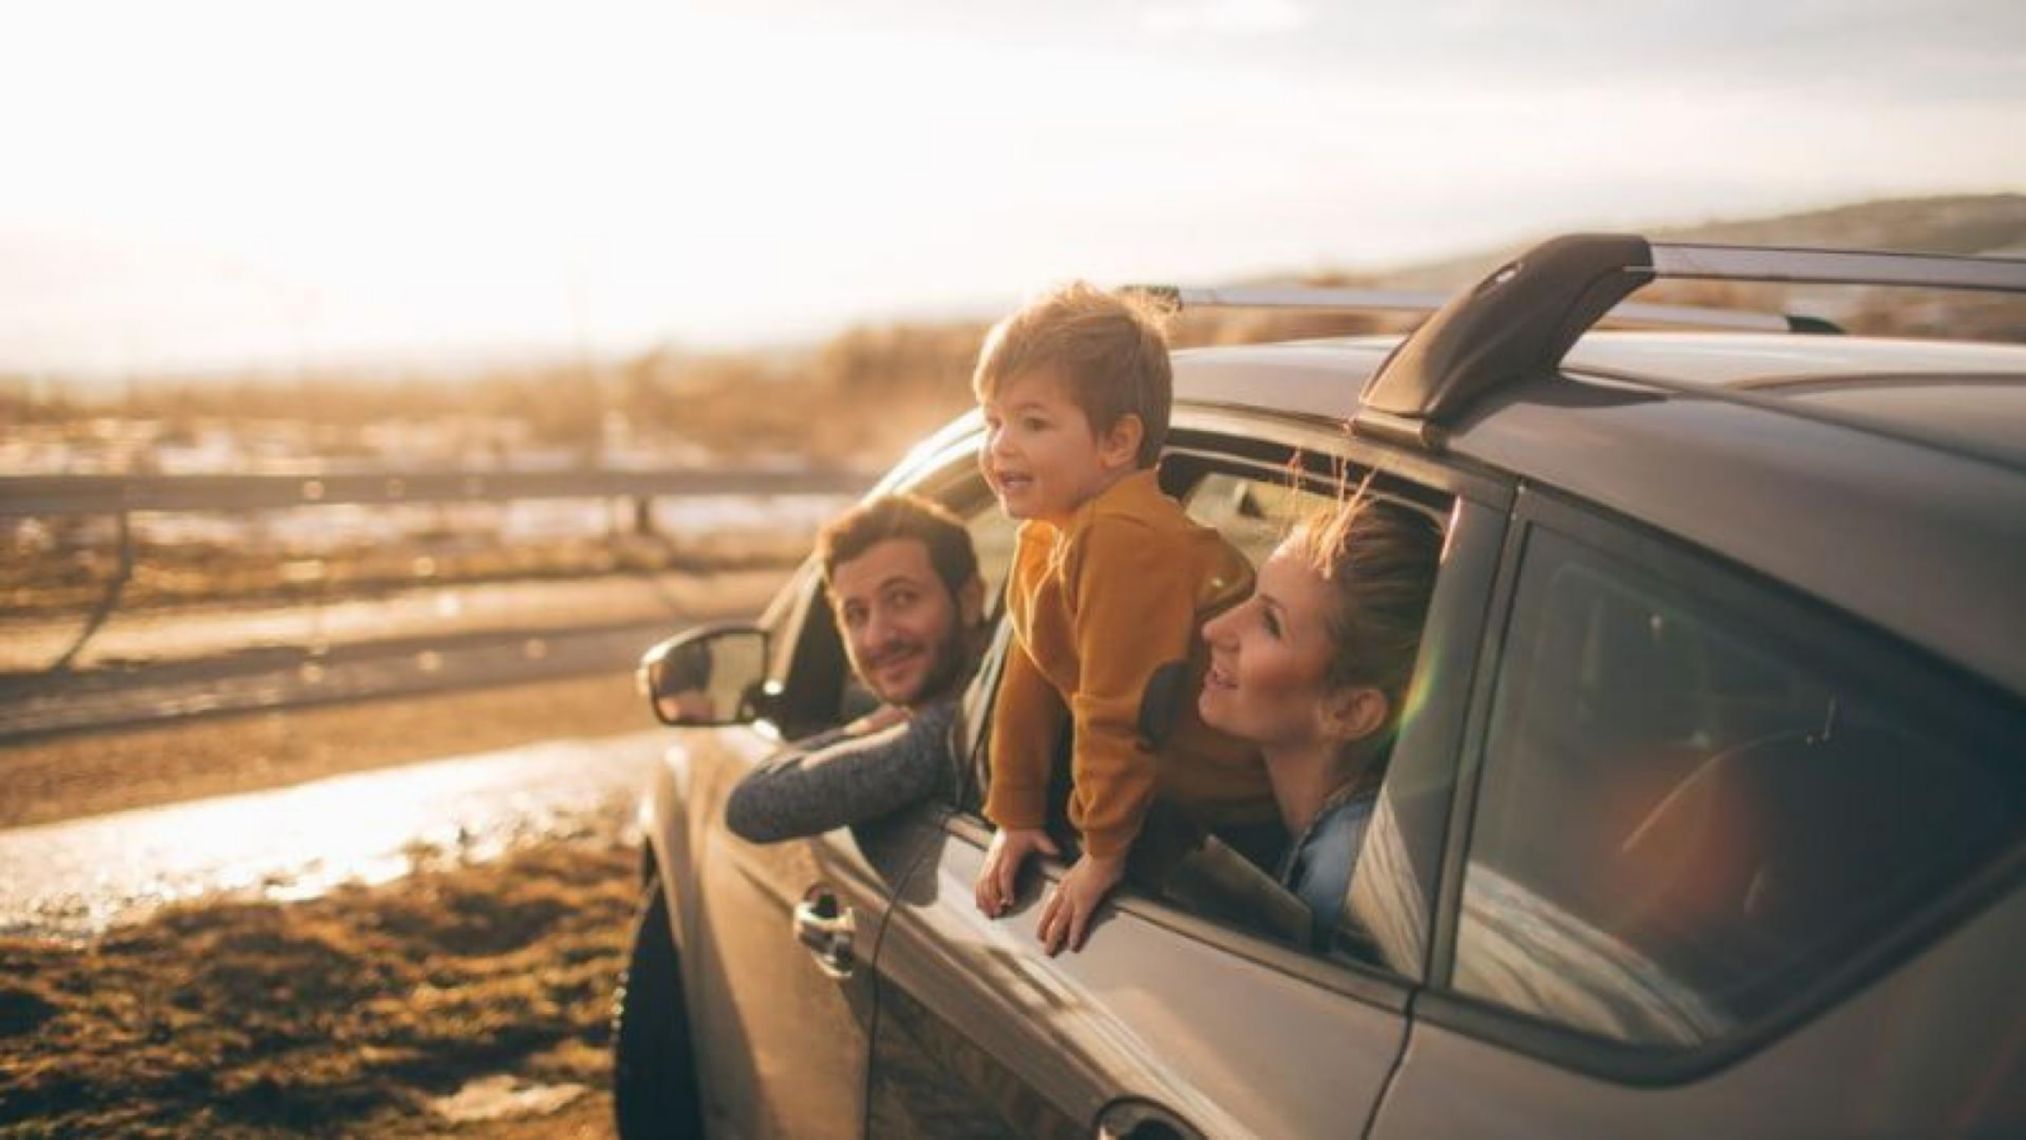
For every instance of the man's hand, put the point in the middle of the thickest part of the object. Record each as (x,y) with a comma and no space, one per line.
(885,716)
(1065,917)
(1010,848)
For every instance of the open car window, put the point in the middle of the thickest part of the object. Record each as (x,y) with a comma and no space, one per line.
(1254,505)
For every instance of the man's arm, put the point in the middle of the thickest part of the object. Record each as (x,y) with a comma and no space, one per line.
(859,778)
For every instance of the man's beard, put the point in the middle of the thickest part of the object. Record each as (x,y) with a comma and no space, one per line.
(944,674)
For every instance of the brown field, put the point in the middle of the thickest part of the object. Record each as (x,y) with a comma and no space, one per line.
(359,1013)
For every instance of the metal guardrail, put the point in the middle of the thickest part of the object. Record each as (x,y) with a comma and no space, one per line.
(122,496)
(25,495)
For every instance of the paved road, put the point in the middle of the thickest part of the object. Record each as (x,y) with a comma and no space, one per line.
(166,666)
(295,677)
(73,879)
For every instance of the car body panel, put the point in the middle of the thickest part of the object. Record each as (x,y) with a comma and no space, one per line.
(978,1025)
(1937,1047)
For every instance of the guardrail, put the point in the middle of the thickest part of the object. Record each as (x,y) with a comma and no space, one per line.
(22,495)
(121,496)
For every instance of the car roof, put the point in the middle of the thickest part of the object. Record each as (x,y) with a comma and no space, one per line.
(1887,478)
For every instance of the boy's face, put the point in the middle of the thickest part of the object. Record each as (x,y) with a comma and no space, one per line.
(1042,457)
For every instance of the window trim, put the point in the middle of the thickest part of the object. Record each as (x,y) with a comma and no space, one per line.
(1739,591)
(1372,986)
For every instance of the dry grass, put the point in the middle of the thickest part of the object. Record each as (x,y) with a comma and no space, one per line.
(343,1015)
(111,771)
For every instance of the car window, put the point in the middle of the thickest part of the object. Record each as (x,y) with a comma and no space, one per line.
(1692,805)
(992,534)
(1252,510)
(1255,507)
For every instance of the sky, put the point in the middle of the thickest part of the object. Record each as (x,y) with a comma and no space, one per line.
(224,185)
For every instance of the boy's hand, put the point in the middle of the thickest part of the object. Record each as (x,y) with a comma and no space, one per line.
(1065,917)
(1010,848)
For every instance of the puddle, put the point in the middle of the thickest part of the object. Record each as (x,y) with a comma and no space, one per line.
(74,879)
(503,1098)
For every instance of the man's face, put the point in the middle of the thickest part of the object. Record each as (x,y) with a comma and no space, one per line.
(901,625)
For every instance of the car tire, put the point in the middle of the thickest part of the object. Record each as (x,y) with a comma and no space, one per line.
(654,1086)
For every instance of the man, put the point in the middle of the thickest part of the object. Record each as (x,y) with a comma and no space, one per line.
(902,578)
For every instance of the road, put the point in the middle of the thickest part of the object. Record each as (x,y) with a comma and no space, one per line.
(155,666)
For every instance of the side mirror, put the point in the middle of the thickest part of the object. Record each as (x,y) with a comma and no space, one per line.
(711,675)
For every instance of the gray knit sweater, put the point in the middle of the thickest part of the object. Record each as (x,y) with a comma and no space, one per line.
(836,779)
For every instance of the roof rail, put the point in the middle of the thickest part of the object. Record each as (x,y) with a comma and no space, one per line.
(1523,318)
(1336,299)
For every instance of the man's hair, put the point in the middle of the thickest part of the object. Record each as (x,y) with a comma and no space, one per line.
(1109,349)
(900,516)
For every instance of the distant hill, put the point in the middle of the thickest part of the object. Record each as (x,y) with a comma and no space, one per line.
(1982,224)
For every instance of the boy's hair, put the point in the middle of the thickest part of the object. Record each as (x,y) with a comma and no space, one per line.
(1109,348)
(900,516)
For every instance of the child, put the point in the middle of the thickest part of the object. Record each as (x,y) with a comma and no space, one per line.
(1110,582)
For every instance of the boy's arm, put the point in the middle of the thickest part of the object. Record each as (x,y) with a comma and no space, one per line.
(849,781)
(1027,718)
(1135,610)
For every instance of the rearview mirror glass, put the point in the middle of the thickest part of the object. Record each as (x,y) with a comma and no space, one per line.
(708,676)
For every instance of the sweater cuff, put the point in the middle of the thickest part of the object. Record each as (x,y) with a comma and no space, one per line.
(1108,844)
(1016,807)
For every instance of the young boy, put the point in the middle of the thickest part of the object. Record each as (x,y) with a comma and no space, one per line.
(1110,582)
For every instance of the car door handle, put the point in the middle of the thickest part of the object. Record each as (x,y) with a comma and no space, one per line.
(1137,1119)
(827,928)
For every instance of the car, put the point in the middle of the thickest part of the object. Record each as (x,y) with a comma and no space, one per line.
(1706,819)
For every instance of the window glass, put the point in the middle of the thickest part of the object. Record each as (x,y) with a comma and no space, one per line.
(992,535)
(1680,822)
(1252,513)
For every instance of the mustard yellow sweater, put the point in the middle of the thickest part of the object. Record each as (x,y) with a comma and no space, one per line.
(1097,605)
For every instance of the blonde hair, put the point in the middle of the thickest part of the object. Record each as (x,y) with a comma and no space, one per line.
(1380,559)
(1110,349)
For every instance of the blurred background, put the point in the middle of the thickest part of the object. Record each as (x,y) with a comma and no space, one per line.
(242,237)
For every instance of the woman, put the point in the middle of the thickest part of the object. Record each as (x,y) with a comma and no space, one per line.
(1313,668)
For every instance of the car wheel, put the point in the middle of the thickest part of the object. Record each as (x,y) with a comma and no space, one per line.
(654,1088)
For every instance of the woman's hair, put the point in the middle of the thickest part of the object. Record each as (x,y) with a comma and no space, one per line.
(1379,559)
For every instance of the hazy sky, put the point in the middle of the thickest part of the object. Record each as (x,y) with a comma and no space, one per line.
(195,183)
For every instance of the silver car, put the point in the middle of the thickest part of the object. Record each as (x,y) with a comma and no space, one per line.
(1707,819)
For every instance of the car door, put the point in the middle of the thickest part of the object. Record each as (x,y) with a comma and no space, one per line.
(1197,1011)
(781,935)
(785,934)
(1728,864)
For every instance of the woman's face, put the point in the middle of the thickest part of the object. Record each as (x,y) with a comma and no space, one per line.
(1268,658)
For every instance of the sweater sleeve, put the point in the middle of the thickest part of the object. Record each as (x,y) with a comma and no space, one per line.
(1027,719)
(850,781)
(1134,609)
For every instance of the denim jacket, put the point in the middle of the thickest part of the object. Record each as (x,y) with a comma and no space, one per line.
(1318,867)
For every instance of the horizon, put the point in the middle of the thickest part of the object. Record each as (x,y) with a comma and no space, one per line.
(230,188)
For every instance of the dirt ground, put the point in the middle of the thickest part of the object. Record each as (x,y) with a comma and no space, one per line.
(461,1000)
